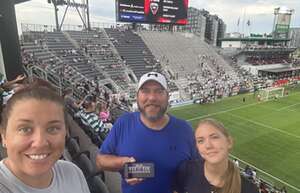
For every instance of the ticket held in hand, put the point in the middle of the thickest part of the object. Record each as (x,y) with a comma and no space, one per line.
(139,170)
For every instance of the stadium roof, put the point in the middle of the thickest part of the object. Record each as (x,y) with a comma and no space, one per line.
(284,69)
(251,39)
(20,1)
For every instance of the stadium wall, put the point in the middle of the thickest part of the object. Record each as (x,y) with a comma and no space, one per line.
(231,44)
(180,103)
(254,69)
(2,69)
(174,95)
(10,40)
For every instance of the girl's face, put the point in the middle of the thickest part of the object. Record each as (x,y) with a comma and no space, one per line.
(212,144)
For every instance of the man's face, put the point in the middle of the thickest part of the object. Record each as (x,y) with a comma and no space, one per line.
(152,100)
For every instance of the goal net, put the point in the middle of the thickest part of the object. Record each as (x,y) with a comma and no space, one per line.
(271,93)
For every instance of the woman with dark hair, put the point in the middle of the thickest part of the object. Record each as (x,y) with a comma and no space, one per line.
(215,173)
(33,131)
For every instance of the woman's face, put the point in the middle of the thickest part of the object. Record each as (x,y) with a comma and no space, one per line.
(212,144)
(34,137)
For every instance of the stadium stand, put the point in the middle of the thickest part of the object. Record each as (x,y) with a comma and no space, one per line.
(52,49)
(183,51)
(64,49)
(133,51)
(97,47)
(192,63)
(101,63)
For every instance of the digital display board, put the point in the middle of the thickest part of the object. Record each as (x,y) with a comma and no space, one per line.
(284,19)
(152,11)
(282,28)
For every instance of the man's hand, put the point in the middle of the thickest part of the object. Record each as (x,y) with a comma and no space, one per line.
(127,160)
(20,77)
(112,162)
(134,181)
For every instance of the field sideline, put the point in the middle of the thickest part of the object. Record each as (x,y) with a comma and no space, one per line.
(266,134)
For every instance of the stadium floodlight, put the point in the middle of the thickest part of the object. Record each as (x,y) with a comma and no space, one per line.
(84,15)
(57,2)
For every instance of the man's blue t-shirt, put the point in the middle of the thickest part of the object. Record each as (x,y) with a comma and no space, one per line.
(166,148)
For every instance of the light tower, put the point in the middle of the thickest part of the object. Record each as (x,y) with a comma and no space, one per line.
(282,21)
(83,14)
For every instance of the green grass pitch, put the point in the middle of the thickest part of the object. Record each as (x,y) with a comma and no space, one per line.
(266,134)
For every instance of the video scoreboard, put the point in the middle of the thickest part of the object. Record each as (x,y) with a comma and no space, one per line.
(152,11)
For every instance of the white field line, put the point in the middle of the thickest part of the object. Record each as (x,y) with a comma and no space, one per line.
(264,125)
(252,166)
(221,112)
(286,107)
(241,107)
(232,109)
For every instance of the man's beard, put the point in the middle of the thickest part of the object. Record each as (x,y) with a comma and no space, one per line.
(162,110)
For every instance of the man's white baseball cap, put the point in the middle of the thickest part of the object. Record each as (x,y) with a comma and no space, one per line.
(155,76)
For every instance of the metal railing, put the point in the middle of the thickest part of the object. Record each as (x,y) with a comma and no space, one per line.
(270,180)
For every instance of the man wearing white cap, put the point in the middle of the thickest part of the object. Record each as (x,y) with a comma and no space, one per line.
(151,136)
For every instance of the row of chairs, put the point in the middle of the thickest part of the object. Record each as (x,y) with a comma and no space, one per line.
(94,178)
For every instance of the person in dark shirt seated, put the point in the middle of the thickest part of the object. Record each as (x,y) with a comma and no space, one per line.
(215,173)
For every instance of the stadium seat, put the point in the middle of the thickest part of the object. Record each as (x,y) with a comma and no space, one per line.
(83,127)
(96,185)
(96,139)
(71,110)
(73,146)
(84,163)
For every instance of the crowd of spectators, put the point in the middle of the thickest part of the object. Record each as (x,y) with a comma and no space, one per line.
(207,85)
(268,59)
(263,186)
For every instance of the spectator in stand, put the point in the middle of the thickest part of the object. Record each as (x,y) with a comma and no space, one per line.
(248,172)
(150,135)
(263,187)
(283,190)
(104,113)
(216,173)
(236,162)
(33,130)
(70,101)
(254,173)
(8,88)
(89,117)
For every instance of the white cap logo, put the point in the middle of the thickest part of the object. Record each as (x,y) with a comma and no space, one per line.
(154,8)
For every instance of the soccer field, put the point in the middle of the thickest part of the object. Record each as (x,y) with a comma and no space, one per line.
(266,134)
